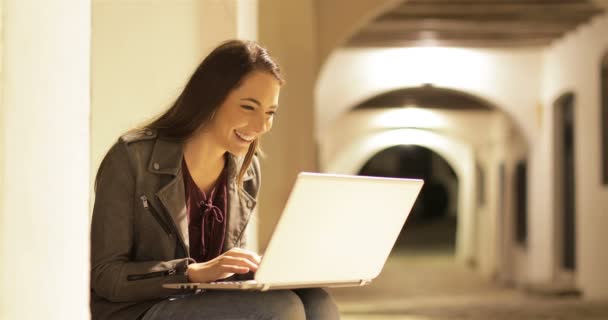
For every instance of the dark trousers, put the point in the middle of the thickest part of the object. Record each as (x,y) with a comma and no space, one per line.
(277,304)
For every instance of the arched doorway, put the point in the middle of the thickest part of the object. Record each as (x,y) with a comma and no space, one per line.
(432,223)
(565,185)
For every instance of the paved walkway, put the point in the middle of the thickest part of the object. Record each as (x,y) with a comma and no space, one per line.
(433,287)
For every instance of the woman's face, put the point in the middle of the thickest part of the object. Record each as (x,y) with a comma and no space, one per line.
(246,114)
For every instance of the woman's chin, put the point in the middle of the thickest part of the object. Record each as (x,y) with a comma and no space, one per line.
(239,150)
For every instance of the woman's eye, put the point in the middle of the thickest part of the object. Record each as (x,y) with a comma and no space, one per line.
(246,107)
(271,113)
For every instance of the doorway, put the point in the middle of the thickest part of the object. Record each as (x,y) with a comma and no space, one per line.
(565,183)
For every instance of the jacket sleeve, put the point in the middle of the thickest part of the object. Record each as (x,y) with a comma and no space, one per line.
(114,276)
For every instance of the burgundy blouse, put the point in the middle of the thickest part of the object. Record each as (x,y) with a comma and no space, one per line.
(207,217)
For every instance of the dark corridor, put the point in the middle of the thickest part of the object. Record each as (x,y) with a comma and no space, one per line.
(432,222)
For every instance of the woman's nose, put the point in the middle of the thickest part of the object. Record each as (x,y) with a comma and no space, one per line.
(260,124)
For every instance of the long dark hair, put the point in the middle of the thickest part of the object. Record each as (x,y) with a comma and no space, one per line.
(219,73)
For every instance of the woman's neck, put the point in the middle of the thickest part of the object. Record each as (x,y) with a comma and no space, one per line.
(205,161)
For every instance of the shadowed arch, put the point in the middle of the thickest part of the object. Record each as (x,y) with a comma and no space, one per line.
(426,96)
(352,156)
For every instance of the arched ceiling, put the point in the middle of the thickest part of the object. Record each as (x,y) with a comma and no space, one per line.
(475,23)
(426,96)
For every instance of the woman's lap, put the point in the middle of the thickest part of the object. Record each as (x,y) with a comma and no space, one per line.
(318,304)
(276,304)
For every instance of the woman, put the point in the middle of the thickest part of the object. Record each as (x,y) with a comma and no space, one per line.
(173,200)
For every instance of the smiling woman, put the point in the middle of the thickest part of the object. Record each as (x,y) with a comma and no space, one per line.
(173,200)
(244,116)
(234,71)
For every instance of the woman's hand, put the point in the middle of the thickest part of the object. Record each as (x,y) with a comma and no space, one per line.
(235,260)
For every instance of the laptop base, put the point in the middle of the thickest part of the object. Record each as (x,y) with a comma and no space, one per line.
(253,285)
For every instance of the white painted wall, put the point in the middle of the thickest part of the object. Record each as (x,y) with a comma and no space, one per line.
(573,64)
(486,220)
(247,19)
(45,160)
(2,148)
(143,52)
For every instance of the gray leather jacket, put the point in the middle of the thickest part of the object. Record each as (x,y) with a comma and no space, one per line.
(139,232)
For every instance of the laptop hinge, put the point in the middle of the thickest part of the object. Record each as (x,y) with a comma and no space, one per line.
(364,282)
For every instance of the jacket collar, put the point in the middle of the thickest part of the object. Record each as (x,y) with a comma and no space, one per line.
(167,157)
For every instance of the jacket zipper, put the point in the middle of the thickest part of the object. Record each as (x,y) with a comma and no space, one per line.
(162,222)
(144,201)
(150,275)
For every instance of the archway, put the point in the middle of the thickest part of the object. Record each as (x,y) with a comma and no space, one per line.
(351,156)
(431,226)
(460,127)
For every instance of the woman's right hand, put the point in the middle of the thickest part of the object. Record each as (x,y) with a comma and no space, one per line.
(235,260)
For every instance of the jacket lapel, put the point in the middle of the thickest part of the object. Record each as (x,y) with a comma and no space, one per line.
(166,159)
(172,196)
(240,204)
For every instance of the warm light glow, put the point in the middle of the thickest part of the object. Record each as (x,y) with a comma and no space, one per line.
(441,66)
(405,137)
(409,117)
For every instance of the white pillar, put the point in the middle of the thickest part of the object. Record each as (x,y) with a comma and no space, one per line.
(247,29)
(44,225)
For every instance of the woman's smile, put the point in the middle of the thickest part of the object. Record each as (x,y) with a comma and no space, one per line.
(244,137)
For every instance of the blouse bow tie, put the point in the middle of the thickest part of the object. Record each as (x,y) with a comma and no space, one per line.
(208,208)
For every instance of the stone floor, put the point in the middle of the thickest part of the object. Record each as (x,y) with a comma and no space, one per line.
(430,286)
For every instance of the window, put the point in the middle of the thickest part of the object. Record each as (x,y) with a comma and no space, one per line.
(521,202)
(604,118)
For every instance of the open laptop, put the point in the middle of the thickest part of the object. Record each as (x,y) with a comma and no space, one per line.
(335,231)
